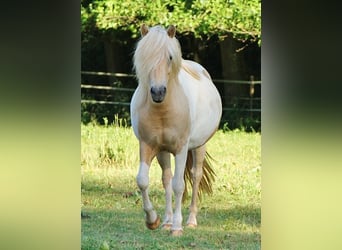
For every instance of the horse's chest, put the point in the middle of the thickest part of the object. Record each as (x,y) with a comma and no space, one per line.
(170,140)
(165,135)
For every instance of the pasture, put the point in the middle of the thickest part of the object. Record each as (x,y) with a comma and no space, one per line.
(112,214)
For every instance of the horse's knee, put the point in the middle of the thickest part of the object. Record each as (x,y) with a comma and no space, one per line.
(178,186)
(197,173)
(142,177)
(142,182)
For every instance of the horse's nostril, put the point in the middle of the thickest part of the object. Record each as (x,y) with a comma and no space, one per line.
(158,90)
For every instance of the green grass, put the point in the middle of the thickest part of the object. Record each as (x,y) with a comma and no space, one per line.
(112,206)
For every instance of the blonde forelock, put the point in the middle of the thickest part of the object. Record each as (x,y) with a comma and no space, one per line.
(152,48)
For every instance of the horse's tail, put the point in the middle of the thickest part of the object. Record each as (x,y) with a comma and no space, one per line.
(207,180)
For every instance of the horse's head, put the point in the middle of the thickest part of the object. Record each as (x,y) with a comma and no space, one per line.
(157,59)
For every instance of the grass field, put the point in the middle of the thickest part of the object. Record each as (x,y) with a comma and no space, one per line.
(112,214)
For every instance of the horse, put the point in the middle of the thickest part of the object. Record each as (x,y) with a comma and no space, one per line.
(175,109)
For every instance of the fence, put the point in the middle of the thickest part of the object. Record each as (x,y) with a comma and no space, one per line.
(243,109)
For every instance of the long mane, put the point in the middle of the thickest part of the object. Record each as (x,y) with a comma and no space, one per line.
(152,49)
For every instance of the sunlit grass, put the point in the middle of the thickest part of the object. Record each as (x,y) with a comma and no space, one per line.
(112,206)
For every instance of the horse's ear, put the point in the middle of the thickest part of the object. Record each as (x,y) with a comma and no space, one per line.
(144,29)
(171,31)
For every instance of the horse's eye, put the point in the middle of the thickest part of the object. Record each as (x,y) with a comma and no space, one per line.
(170,58)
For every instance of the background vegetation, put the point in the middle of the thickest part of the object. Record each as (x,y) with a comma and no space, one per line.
(202,18)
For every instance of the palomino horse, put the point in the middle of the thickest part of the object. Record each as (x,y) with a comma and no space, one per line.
(175,109)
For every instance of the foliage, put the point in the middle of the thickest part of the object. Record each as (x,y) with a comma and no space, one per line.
(203,18)
(241,120)
(111,202)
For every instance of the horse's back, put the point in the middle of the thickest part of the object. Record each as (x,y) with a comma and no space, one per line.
(204,100)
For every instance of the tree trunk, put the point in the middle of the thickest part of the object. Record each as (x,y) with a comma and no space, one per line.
(230,69)
(196,50)
(114,55)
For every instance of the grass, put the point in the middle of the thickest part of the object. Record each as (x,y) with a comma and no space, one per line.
(113,217)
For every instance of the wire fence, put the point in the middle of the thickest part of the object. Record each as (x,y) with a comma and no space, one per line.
(243,108)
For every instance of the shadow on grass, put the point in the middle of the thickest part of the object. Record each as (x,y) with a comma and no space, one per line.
(234,217)
(124,228)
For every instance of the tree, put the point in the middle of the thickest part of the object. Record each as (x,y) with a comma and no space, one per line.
(239,18)
(114,20)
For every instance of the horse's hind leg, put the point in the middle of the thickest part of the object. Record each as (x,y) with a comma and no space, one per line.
(146,156)
(196,174)
(164,162)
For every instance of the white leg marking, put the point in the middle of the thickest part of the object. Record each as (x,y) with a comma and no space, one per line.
(143,181)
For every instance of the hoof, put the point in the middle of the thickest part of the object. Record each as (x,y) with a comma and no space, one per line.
(176,233)
(153,225)
(191,225)
(166,227)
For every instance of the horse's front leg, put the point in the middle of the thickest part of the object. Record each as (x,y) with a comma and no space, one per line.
(164,162)
(146,156)
(178,189)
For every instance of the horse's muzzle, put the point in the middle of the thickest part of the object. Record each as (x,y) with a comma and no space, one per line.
(158,93)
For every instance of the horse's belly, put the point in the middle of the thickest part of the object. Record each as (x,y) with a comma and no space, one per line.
(204,103)
(206,111)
